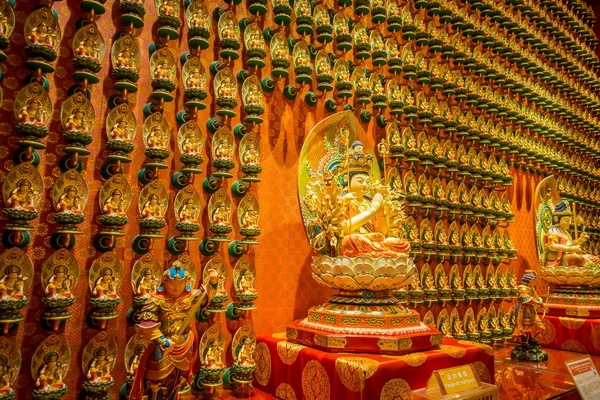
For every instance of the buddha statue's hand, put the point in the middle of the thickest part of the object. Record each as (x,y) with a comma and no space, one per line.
(376,237)
(377,202)
(582,238)
(574,249)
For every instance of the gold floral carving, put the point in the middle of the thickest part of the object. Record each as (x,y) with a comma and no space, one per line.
(453,351)
(571,323)
(576,312)
(574,345)
(396,389)
(291,333)
(394,344)
(334,342)
(288,352)
(483,372)
(354,371)
(595,336)
(436,340)
(486,347)
(262,356)
(315,382)
(547,335)
(280,335)
(285,391)
(412,359)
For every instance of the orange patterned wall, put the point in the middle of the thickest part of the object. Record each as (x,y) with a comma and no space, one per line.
(283,259)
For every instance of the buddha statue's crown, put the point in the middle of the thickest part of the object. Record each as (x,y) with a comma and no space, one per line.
(562,208)
(357,160)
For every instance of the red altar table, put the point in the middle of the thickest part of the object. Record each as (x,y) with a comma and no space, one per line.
(572,334)
(292,371)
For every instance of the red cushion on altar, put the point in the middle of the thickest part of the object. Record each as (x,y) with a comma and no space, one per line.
(293,371)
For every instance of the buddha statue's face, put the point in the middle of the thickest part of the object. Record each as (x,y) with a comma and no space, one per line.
(565,222)
(358,184)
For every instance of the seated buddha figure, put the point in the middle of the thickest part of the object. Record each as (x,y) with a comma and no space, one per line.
(70,201)
(560,247)
(366,225)
(152,208)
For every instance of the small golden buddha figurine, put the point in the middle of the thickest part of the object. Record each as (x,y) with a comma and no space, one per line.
(23,197)
(59,284)
(51,374)
(76,121)
(221,215)
(87,48)
(32,113)
(121,131)
(249,218)
(187,212)
(105,286)
(226,88)
(428,283)
(125,60)
(41,34)
(114,204)
(246,283)
(196,80)
(12,284)
(213,357)
(146,284)
(155,138)
(457,328)
(70,201)
(246,353)
(100,367)
(223,150)
(152,209)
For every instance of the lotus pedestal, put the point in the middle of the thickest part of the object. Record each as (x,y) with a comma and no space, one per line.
(364,323)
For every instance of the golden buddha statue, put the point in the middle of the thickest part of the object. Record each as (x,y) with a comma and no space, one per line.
(365,225)
(561,249)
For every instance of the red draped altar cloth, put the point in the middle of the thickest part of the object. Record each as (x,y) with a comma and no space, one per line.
(291,371)
(570,333)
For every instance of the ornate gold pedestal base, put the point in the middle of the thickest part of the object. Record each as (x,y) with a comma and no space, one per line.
(380,327)
(574,302)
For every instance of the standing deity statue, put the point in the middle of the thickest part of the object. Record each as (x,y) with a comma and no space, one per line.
(166,319)
(528,321)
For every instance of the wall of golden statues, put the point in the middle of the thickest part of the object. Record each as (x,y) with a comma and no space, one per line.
(137,135)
